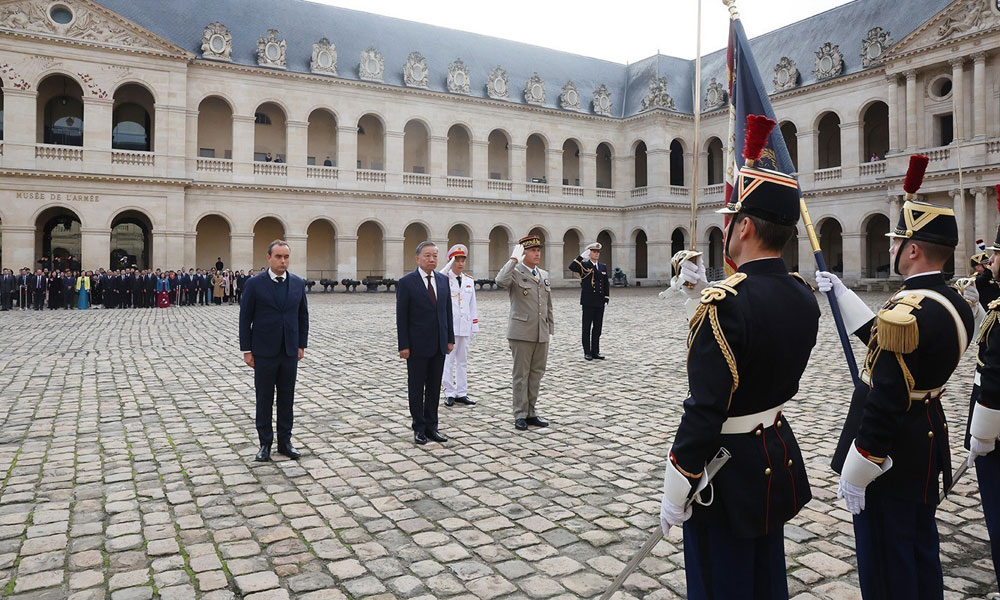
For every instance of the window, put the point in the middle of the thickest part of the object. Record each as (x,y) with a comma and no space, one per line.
(131,128)
(261,119)
(944,129)
(64,121)
(61,14)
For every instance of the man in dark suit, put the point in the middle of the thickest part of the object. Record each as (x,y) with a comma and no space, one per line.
(8,284)
(426,333)
(594,296)
(190,284)
(39,285)
(274,328)
(23,289)
(204,286)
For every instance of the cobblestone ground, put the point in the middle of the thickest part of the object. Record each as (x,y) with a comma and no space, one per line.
(126,466)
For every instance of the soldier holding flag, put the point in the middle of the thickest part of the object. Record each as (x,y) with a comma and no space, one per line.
(893,452)
(740,376)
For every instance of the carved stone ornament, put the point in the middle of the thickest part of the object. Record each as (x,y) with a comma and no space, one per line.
(786,74)
(966,17)
(874,45)
(324,58)
(372,65)
(829,61)
(602,101)
(496,85)
(534,90)
(715,95)
(415,70)
(271,50)
(570,97)
(458,77)
(217,42)
(72,19)
(657,96)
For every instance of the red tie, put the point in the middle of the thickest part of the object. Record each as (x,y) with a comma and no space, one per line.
(430,290)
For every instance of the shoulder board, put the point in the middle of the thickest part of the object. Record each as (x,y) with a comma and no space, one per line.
(718,292)
(994,305)
(803,281)
(897,325)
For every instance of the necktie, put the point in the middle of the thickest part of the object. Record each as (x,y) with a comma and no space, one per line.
(430,290)
(534,273)
(280,279)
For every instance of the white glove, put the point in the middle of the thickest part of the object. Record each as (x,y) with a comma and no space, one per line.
(971,294)
(585,255)
(827,281)
(447,267)
(518,254)
(853,495)
(980,447)
(672,515)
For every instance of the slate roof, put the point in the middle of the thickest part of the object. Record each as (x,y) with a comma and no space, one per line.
(302,23)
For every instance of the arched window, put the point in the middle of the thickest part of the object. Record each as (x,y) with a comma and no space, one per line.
(676,163)
(791,136)
(829,141)
(60,102)
(640,165)
(714,166)
(130,128)
(1,114)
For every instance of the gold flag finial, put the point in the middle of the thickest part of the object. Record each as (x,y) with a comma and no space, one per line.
(731,5)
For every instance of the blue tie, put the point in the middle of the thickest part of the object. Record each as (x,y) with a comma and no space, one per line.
(534,273)
(281,291)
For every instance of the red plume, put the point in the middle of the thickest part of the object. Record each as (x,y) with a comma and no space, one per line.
(758,129)
(915,174)
(998,198)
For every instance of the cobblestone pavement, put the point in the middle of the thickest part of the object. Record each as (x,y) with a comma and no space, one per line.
(127,442)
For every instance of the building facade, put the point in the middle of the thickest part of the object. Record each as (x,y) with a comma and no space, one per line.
(171,134)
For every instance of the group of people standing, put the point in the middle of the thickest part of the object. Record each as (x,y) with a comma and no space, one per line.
(124,288)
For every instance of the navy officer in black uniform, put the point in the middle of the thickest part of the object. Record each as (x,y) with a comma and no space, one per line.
(749,342)
(595,292)
(893,455)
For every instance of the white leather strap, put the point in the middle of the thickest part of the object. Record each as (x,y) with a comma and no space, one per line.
(747,423)
(978,378)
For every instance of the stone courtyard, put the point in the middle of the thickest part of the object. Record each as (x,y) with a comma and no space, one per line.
(126,465)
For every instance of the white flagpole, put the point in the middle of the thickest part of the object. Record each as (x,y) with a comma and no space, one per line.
(696,150)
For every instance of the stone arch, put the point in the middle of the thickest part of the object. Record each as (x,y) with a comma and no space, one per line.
(640,269)
(459,150)
(131,238)
(266,229)
(536,158)
(321,249)
(370,249)
(606,238)
(133,118)
(640,171)
(677,150)
(875,262)
(714,167)
(458,233)
(572,242)
(831,239)
(416,146)
(498,154)
(828,141)
(59,110)
(571,149)
(789,133)
(270,137)
(212,240)
(215,127)
(57,233)
(715,262)
(874,131)
(501,241)
(321,137)
(56,72)
(137,82)
(605,160)
(678,241)
(371,142)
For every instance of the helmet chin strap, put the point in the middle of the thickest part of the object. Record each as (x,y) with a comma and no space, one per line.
(729,236)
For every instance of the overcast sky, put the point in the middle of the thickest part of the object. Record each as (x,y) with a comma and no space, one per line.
(621,31)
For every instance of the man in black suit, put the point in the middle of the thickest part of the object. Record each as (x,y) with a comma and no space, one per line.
(190,287)
(426,333)
(203,288)
(39,285)
(274,328)
(24,289)
(8,284)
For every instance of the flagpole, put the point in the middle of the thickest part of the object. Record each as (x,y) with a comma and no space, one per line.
(697,135)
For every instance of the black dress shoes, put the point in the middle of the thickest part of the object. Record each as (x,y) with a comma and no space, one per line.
(465,400)
(536,422)
(433,435)
(449,401)
(521,425)
(289,451)
(588,357)
(419,438)
(264,454)
(598,357)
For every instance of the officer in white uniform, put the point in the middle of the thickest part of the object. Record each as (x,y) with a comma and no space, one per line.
(466,322)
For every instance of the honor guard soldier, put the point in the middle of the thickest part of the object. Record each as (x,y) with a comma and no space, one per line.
(529,326)
(595,293)
(986,283)
(984,415)
(748,344)
(466,322)
(893,452)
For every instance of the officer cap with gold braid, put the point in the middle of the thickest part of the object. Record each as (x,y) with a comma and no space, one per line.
(922,221)
(530,241)
(769,195)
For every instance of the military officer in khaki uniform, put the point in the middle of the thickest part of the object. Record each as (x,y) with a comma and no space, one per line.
(529,326)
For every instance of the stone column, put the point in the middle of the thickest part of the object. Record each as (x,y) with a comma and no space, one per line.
(807,157)
(588,172)
(190,248)
(19,133)
(850,149)
(979,94)
(191,142)
(911,110)
(393,157)
(480,257)
(161,252)
(243,143)
(893,85)
(962,250)
(347,149)
(297,134)
(18,245)
(480,164)
(97,134)
(981,227)
(622,175)
(438,167)
(554,263)
(852,257)
(241,249)
(657,169)
(395,262)
(518,166)
(658,260)
(629,263)
(95,247)
(554,170)
(347,256)
(958,96)
(299,260)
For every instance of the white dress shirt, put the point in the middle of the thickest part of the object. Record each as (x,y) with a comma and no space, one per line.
(433,281)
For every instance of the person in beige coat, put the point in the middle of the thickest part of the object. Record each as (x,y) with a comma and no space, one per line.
(529,326)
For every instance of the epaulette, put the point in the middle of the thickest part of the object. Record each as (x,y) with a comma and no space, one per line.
(994,305)
(897,326)
(718,291)
(803,281)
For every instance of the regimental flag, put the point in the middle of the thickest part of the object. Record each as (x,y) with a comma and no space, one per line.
(747,96)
